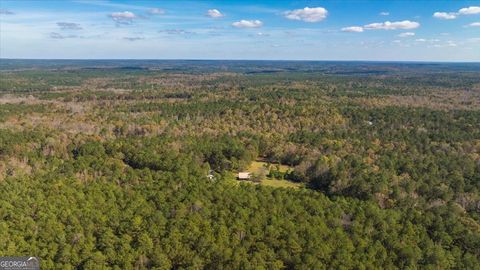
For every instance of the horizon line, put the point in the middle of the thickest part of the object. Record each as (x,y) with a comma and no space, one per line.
(260,60)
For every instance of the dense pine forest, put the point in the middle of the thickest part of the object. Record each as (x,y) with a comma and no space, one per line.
(133,164)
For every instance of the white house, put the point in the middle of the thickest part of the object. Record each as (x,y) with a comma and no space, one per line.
(243,176)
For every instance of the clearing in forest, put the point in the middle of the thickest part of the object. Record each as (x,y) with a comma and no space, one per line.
(271,174)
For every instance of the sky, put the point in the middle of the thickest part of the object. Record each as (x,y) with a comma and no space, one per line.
(397,30)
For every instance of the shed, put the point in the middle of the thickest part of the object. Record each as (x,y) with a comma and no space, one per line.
(211,175)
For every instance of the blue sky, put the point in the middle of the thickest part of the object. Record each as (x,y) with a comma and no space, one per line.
(283,30)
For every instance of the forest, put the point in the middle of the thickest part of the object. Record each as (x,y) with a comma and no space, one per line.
(104,164)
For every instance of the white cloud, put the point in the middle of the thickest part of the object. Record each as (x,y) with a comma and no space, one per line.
(445,45)
(406,34)
(385,26)
(56,35)
(445,15)
(384,13)
(420,40)
(176,32)
(307,14)
(248,24)
(469,10)
(125,17)
(133,38)
(451,44)
(453,15)
(474,24)
(353,29)
(259,35)
(214,13)
(392,25)
(156,11)
(69,26)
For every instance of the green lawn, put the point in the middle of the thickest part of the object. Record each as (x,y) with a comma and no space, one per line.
(281,183)
(256,168)
(257,165)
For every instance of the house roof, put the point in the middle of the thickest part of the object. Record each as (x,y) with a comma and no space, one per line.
(243,175)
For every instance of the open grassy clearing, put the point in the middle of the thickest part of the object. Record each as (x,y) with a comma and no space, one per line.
(262,168)
(281,183)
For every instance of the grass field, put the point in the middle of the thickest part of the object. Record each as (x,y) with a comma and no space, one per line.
(256,165)
(256,168)
(281,183)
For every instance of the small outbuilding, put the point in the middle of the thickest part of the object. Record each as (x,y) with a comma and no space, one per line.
(244,176)
(211,175)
